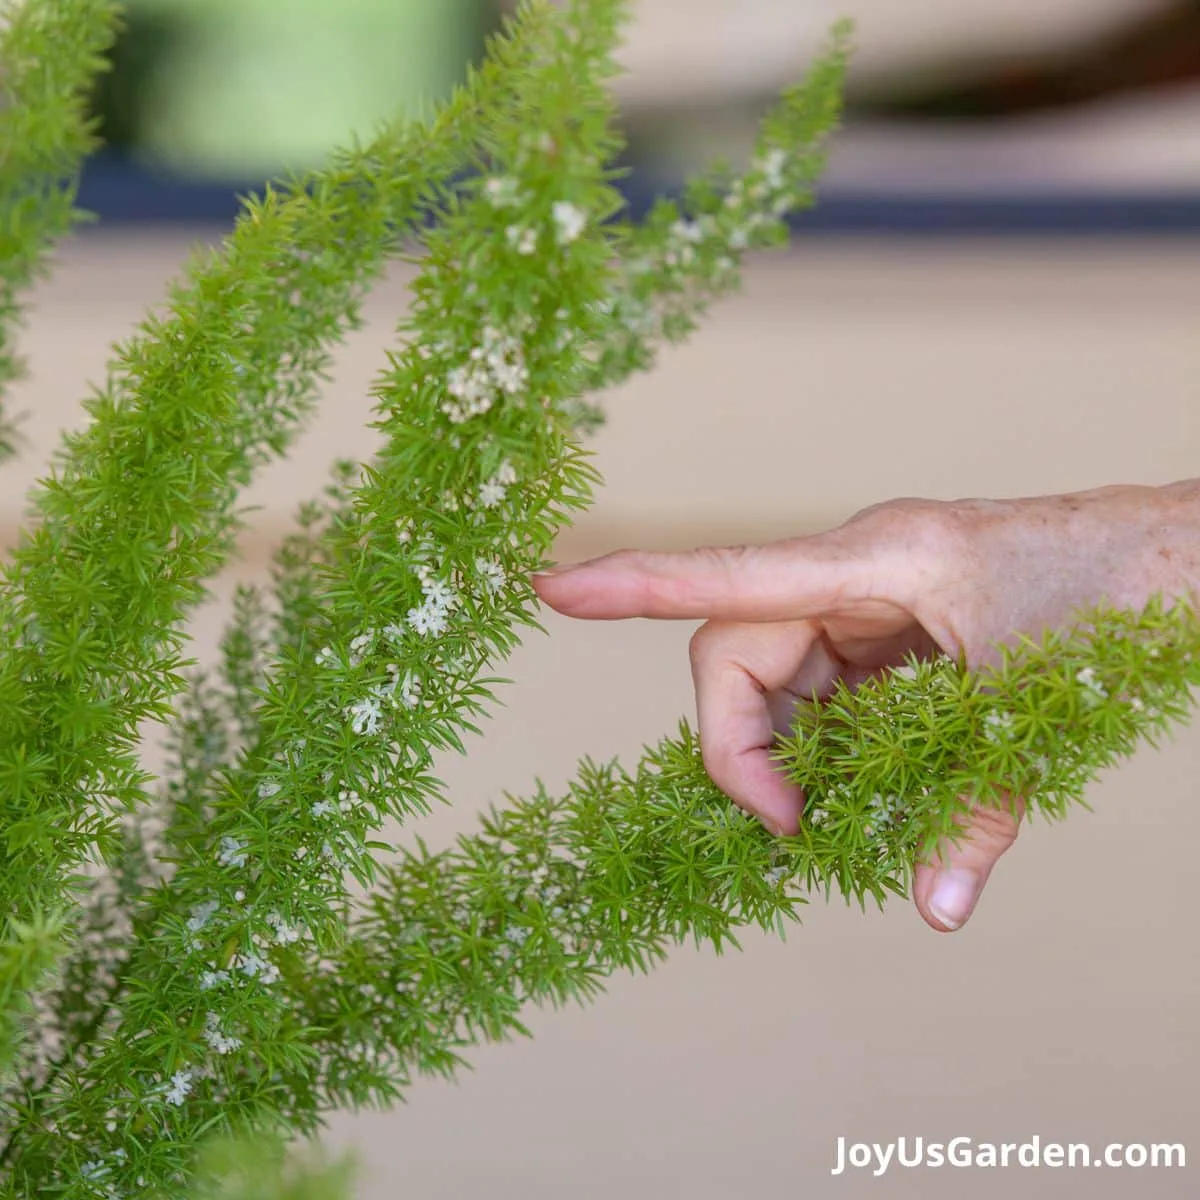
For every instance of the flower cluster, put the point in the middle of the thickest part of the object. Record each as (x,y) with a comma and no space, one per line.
(493,369)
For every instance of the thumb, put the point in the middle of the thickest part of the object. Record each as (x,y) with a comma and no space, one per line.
(947,888)
(779,581)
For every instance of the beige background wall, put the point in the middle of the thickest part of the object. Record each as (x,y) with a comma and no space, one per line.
(847,373)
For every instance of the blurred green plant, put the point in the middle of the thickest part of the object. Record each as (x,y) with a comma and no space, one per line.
(241,89)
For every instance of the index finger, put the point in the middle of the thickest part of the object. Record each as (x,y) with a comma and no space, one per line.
(776,581)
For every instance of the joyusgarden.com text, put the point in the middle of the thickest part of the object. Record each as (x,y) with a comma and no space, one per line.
(880,1157)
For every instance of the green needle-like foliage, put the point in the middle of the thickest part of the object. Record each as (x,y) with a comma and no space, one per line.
(49,55)
(554,894)
(190,964)
(143,509)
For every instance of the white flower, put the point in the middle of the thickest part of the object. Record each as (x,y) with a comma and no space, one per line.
(688,231)
(472,387)
(366,714)
(506,474)
(268,788)
(212,979)
(491,493)
(439,593)
(997,724)
(510,377)
(410,690)
(202,914)
(887,811)
(254,964)
(216,1039)
(493,575)
(502,191)
(504,359)
(322,808)
(285,934)
(233,852)
(418,620)
(467,383)
(428,619)
(522,239)
(181,1085)
(359,645)
(775,874)
(571,221)
(1095,689)
(772,167)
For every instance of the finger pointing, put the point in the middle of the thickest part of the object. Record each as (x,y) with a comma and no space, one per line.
(778,581)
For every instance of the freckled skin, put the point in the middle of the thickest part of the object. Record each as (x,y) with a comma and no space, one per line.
(979,571)
(1035,559)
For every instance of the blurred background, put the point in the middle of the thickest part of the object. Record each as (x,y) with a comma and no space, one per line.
(997,295)
(1010,114)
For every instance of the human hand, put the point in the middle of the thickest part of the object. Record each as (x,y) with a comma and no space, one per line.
(910,575)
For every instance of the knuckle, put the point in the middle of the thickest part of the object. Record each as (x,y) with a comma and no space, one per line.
(933,521)
(933,537)
(885,510)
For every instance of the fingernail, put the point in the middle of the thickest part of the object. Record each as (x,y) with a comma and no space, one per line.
(954,893)
(551,571)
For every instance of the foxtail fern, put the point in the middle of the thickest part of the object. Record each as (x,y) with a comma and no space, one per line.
(191,962)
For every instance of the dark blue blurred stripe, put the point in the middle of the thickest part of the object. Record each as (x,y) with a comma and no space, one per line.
(1025,214)
(121,192)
